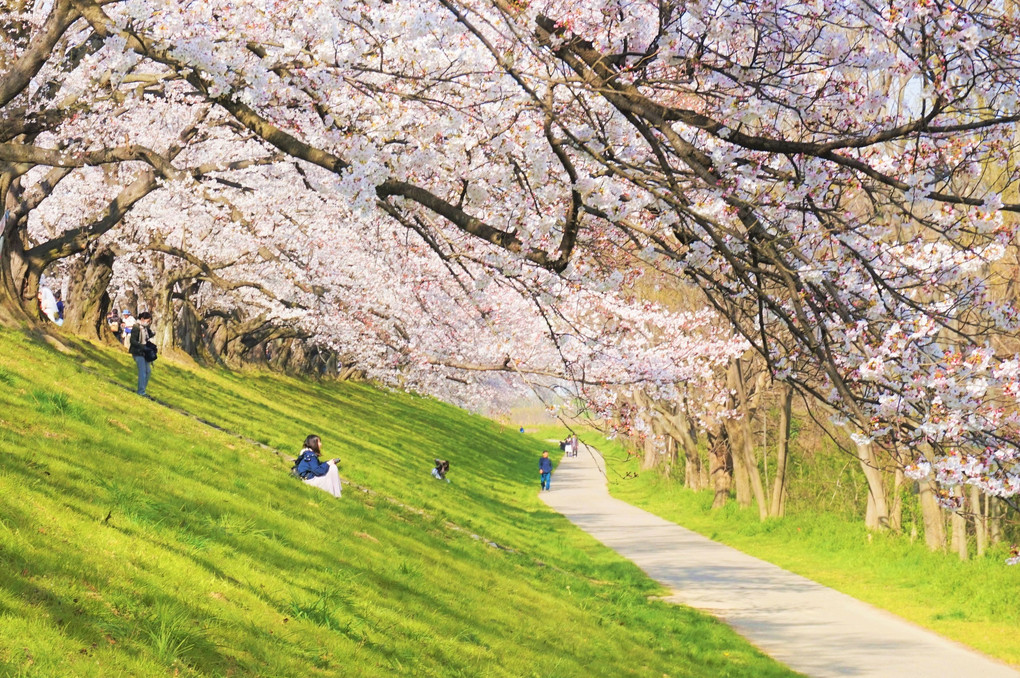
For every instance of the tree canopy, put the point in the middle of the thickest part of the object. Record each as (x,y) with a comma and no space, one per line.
(603,193)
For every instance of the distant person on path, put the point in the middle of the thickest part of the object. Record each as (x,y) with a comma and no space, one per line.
(323,475)
(545,469)
(573,445)
(138,340)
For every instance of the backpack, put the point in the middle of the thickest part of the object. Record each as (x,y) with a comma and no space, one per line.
(150,352)
(294,468)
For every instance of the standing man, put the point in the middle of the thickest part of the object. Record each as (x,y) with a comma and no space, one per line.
(545,469)
(139,337)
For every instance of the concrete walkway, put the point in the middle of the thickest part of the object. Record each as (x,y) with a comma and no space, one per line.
(811,628)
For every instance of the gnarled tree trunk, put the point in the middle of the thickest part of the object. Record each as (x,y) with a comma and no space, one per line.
(88,302)
(720,463)
(14,269)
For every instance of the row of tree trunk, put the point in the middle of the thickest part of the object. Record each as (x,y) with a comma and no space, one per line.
(208,335)
(724,458)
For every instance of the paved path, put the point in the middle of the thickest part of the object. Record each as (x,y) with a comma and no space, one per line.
(811,628)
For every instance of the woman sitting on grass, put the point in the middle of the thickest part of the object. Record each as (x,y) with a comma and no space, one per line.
(323,475)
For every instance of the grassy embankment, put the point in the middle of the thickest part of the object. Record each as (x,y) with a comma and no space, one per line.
(972,602)
(137,541)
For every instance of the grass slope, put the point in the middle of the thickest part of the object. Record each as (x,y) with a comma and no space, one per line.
(138,541)
(972,602)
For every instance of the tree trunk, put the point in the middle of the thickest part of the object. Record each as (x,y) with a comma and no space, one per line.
(130,301)
(333,365)
(931,514)
(683,431)
(741,478)
(188,328)
(720,466)
(778,507)
(980,521)
(751,463)
(13,269)
(678,431)
(216,337)
(233,352)
(670,455)
(896,513)
(959,524)
(88,302)
(693,471)
(165,319)
(877,515)
(650,453)
(295,358)
(994,525)
(281,354)
(349,373)
(744,446)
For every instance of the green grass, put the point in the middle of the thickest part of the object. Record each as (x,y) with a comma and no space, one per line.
(972,602)
(138,541)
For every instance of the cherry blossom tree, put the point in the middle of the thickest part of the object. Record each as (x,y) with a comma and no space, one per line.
(833,176)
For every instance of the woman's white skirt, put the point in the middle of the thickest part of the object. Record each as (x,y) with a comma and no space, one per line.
(329,482)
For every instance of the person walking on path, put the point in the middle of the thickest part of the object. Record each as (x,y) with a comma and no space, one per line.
(139,337)
(545,469)
(321,474)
